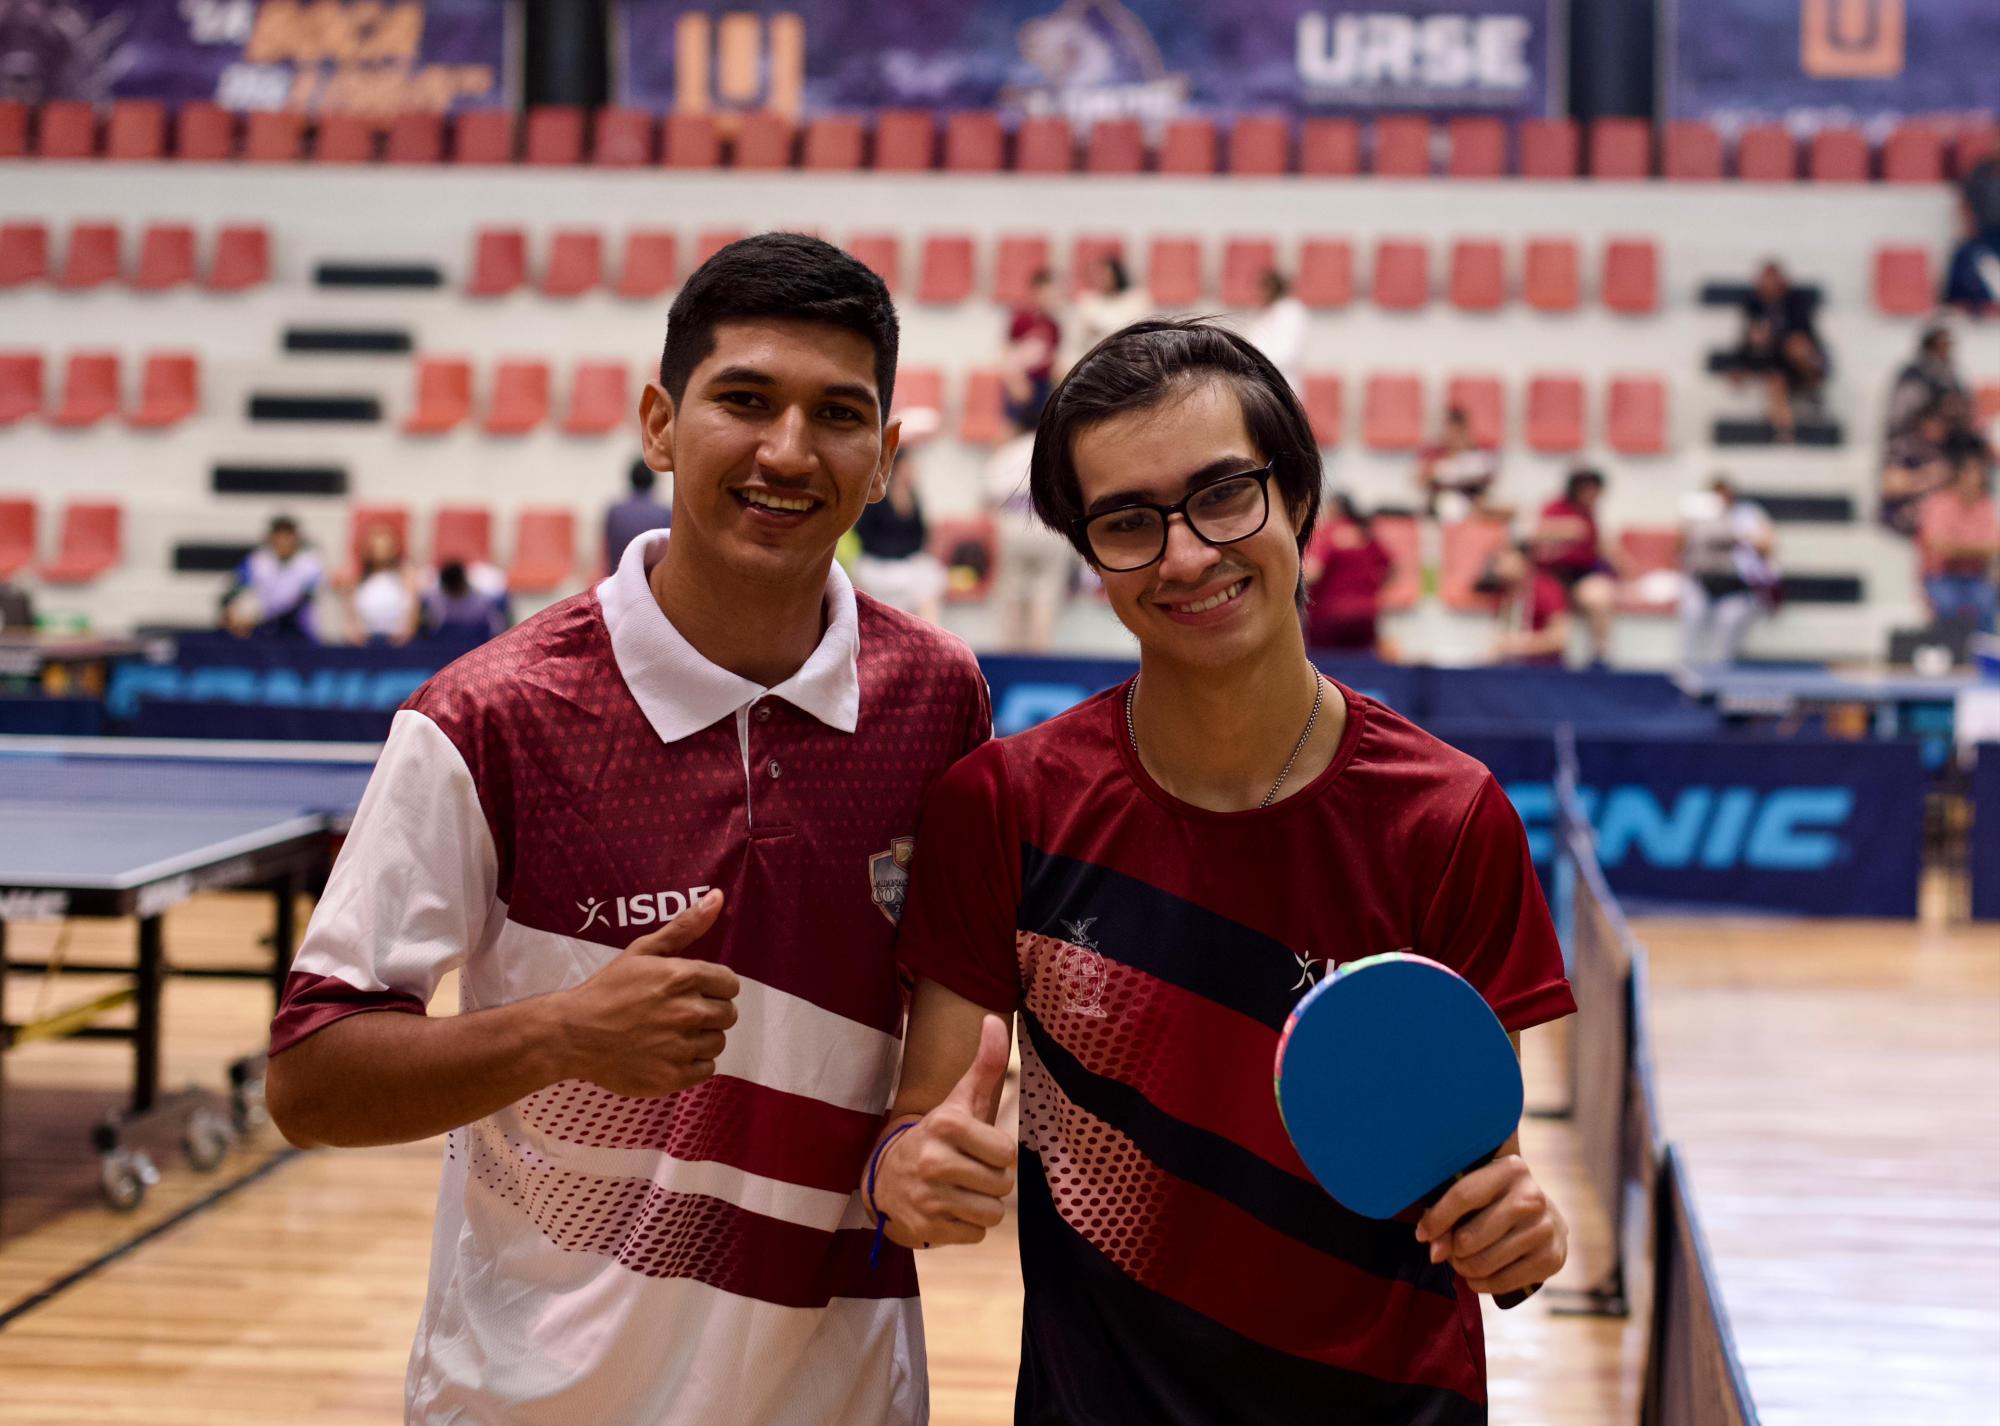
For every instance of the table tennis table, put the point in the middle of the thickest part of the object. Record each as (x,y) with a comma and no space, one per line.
(110,827)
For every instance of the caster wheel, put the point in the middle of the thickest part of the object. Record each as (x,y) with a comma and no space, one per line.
(246,1106)
(124,1175)
(205,1138)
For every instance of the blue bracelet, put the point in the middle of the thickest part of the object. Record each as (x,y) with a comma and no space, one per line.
(881,1218)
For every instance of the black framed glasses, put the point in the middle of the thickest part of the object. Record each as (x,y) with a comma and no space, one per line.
(1220,512)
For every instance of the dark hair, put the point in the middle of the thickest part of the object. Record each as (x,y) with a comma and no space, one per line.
(1932,337)
(783,275)
(1579,478)
(1121,280)
(641,475)
(1040,276)
(1275,283)
(452,579)
(282,525)
(1455,416)
(1344,506)
(1147,363)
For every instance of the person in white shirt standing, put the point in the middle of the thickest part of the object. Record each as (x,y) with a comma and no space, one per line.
(1279,329)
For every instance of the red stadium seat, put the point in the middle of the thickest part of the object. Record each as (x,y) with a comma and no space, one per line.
(1977,141)
(499,262)
(92,258)
(1173,272)
(881,254)
(1115,146)
(13,129)
(242,258)
(1635,418)
(462,534)
(945,273)
(1484,405)
(1478,275)
(20,386)
(1399,535)
(24,254)
(274,136)
(1549,280)
(710,241)
(1766,153)
(1904,286)
(1693,152)
(691,141)
(67,129)
(1631,276)
(169,391)
(651,264)
(600,398)
(1330,148)
(88,543)
(555,135)
(345,138)
(622,138)
(443,396)
(415,136)
(1648,551)
(576,263)
(918,389)
(1403,146)
(544,551)
(1986,402)
(975,141)
(364,518)
(1913,154)
(520,398)
(1020,257)
(1467,547)
(1260,145)
(1392,413)
(905,141)
(1548,148)
(1323,401)
(764,141)
(1085,252)
(166,257)
(1326,273)
(1189,146)
(835,143)
(1044,144)
(1402,279)
(204,133)
(1838,156)
(1555,414)
(137,131)
(90,390)
(483,136)
(1244,263)
(984,420)
(17,536)
(1621,149)
(1478,148)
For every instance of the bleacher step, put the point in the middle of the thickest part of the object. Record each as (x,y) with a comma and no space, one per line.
(355,409)
(391,341)
(279,480)
(378,274)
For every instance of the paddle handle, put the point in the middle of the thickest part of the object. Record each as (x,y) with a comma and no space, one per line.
(1505,1301)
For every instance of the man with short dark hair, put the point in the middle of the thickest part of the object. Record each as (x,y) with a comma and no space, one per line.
(661,831)
(637,514)
(274,587)
(1151,882)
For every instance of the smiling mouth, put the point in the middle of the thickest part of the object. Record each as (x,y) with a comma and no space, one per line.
(782,504)
(1214,601)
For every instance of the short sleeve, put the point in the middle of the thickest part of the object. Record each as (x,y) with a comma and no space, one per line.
(1488,920)
(965,885)
(410,895)
(979,715)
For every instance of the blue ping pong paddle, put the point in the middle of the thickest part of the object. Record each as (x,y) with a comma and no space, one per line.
(1394,1080)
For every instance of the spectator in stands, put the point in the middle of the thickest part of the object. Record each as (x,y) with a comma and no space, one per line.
(272,593)
(1570,549)
(1727,546)
(1110,302)
(895,564)
(1033,566)
(1972,282)
(1533,609)
(1279,329)
(1027,368)
(633,516)
(1456,474)
(467,602)
(384,605)
(1344,569)
(1781,347)
(1928,379)
(1916,464)
(1958,541)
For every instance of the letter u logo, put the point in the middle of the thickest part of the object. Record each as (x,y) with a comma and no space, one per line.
(739,61)
(1851,39)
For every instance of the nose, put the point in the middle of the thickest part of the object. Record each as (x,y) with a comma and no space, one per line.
(787,448)
(1189,558)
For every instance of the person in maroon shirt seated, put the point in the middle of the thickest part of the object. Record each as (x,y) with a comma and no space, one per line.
(1032,338)
(1533,609)
(1345,567)
(1147,885)
(1569,549)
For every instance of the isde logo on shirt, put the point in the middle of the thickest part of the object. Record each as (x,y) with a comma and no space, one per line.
(645,909)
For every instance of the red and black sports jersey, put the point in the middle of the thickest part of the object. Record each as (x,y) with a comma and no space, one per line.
(1180,1263)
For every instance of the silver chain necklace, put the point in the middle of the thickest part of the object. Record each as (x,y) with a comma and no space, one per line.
(1319,697)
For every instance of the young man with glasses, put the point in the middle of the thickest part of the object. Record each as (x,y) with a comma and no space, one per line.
(1151,882)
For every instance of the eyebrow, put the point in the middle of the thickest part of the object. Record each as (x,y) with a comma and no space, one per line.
(751,376)
(1221,466)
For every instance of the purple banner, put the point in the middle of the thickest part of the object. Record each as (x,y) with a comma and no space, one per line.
(1092,59)
(1815,63)
(370,57)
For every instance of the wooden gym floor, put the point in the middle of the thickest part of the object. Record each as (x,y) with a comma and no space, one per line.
(1836,1087)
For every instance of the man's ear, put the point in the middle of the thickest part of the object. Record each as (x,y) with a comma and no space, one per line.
(892,440)
(656,427)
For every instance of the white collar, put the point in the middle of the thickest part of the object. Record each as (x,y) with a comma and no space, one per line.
(681,692)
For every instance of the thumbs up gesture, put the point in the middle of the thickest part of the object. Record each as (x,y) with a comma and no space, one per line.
(651,1022)
(945,1181)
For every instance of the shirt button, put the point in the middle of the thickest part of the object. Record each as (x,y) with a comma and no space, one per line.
(772,767)
(763,712)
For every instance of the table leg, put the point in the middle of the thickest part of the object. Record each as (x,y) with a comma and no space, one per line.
(146,1032)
